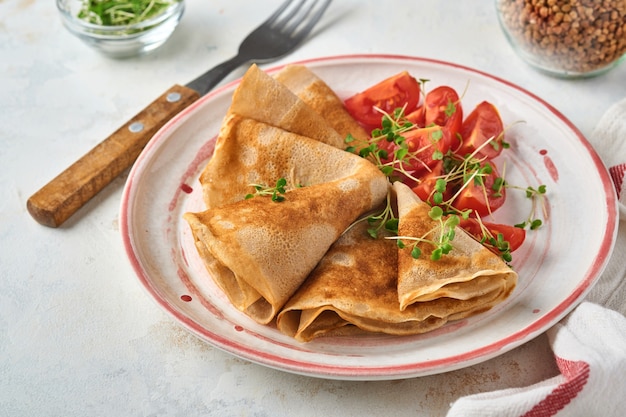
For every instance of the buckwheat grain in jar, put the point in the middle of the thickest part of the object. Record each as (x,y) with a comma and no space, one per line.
(566,38)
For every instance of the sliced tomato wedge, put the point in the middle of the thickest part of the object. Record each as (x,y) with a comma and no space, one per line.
(482,198)
(482,125)
(429,145)
(417,117)
(514,235)
(397,91)
(442,107)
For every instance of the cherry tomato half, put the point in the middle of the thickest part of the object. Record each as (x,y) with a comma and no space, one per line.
(394,92)
(514,235)
(429,145)
(425,189)
(417,117)
(482,198)
(443,108)
(482,125)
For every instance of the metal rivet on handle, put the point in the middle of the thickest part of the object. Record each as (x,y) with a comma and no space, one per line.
(173,97)
(136,127)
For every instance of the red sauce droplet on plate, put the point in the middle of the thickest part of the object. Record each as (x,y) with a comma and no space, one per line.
(554,173)
(239,328)
(543,152)
(187,189)
(535,311)
(186,298)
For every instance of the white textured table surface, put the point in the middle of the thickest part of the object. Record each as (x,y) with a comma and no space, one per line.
(78,336)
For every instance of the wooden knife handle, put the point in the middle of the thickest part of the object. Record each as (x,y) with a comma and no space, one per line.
(66,193)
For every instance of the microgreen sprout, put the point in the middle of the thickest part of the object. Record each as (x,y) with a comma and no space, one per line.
(445,232)
(537,196)
(121,12)
(422,82)
(499,143)
(349,139)
(275,192)
(385,219)
(503,246)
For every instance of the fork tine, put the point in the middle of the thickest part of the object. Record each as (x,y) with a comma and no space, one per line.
(270,20)
(292,12)
(304,31)
(303,12)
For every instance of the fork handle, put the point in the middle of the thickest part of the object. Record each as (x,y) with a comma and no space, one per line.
(65,194)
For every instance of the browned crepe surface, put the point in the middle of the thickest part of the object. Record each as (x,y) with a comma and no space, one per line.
(261,97)
(317,94)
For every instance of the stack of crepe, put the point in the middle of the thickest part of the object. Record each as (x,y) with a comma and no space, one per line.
(257,250)
(307,263)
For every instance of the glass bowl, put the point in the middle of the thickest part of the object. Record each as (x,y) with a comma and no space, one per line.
(566,38)
(122,41)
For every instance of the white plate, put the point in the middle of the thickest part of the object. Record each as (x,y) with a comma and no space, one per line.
(557,265)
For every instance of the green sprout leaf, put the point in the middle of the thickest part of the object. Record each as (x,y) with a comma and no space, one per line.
(274,192)
(537,197)
(121,12)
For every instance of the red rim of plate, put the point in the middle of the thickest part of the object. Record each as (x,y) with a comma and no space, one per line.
(378,372)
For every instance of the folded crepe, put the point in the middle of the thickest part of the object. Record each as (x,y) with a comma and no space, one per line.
(261,97)
(470,272)
(353,290)
(260,251)
(320,97)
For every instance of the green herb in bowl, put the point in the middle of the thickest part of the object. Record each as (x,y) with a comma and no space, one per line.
(121,12)
(121,28)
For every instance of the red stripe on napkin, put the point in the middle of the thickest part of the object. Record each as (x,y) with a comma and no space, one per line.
(576,374)
(617,175)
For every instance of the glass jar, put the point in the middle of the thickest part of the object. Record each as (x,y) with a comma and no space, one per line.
(566,38)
